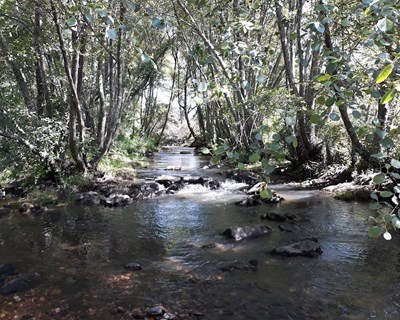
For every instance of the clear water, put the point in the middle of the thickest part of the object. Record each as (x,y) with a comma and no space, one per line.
(79,252)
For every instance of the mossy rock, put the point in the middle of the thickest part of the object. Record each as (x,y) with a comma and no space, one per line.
(352,194)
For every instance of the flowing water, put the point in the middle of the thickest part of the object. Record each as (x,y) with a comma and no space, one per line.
(79,253)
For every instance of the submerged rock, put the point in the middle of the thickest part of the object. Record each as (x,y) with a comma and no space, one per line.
(173,168)
(277,216)
(156,311)
(133,266)
(288,227)
(29,209)
(4,211)
(22,283)
(246,232)
(239,265)
(6,269)
(208,246)
(250,201)
(306,248)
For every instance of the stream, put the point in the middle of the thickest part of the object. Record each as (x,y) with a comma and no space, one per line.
(80,252)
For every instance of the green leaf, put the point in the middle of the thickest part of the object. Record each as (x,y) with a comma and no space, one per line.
(215,159)
(241,166)
(396,222)
(374,196)
(385,73)
(295,143)
(330,101)
(334,117)
(261,79)
(385,24)
(379,155)
(198,100)
(156,23)
(330,68)
(375,206)
(265,193)
(89,17)
(385,194)
(276,136)
(290,139)
(395,163)
(388,96)
(220,150)
(245,85)
(324,77)
(356,114)
(205,150)
(275,146)
(254,157)
(320,100)
(375,231)
(319,27)
(345,22)
(259,137)
(395,175)
(379,178)
(290,121)
(71,22)
(112,34)
(202,87)
(315,118)
(387,143)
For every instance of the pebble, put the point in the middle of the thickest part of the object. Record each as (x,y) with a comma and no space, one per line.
(133,266)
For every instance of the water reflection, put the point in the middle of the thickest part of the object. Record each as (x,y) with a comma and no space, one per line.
(81,250)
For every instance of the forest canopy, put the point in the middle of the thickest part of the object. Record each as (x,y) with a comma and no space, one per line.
(263,81)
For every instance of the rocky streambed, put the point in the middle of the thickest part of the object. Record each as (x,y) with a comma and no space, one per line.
(196,254)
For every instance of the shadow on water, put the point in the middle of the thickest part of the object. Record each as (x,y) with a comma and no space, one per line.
(80,251)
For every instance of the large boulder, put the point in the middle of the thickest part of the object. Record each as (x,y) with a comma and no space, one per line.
(195,180)
(212,184)
(117,200)
(22,283)
(89,198)
(246,232)
(166,181)
(306,248)
(350,191)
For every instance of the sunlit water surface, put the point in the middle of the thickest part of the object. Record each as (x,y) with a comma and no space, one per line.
(80,251)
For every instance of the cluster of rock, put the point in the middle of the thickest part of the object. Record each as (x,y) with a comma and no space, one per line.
(255,198)
(115,196)
(308,247)
(21,283)
(157,312)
